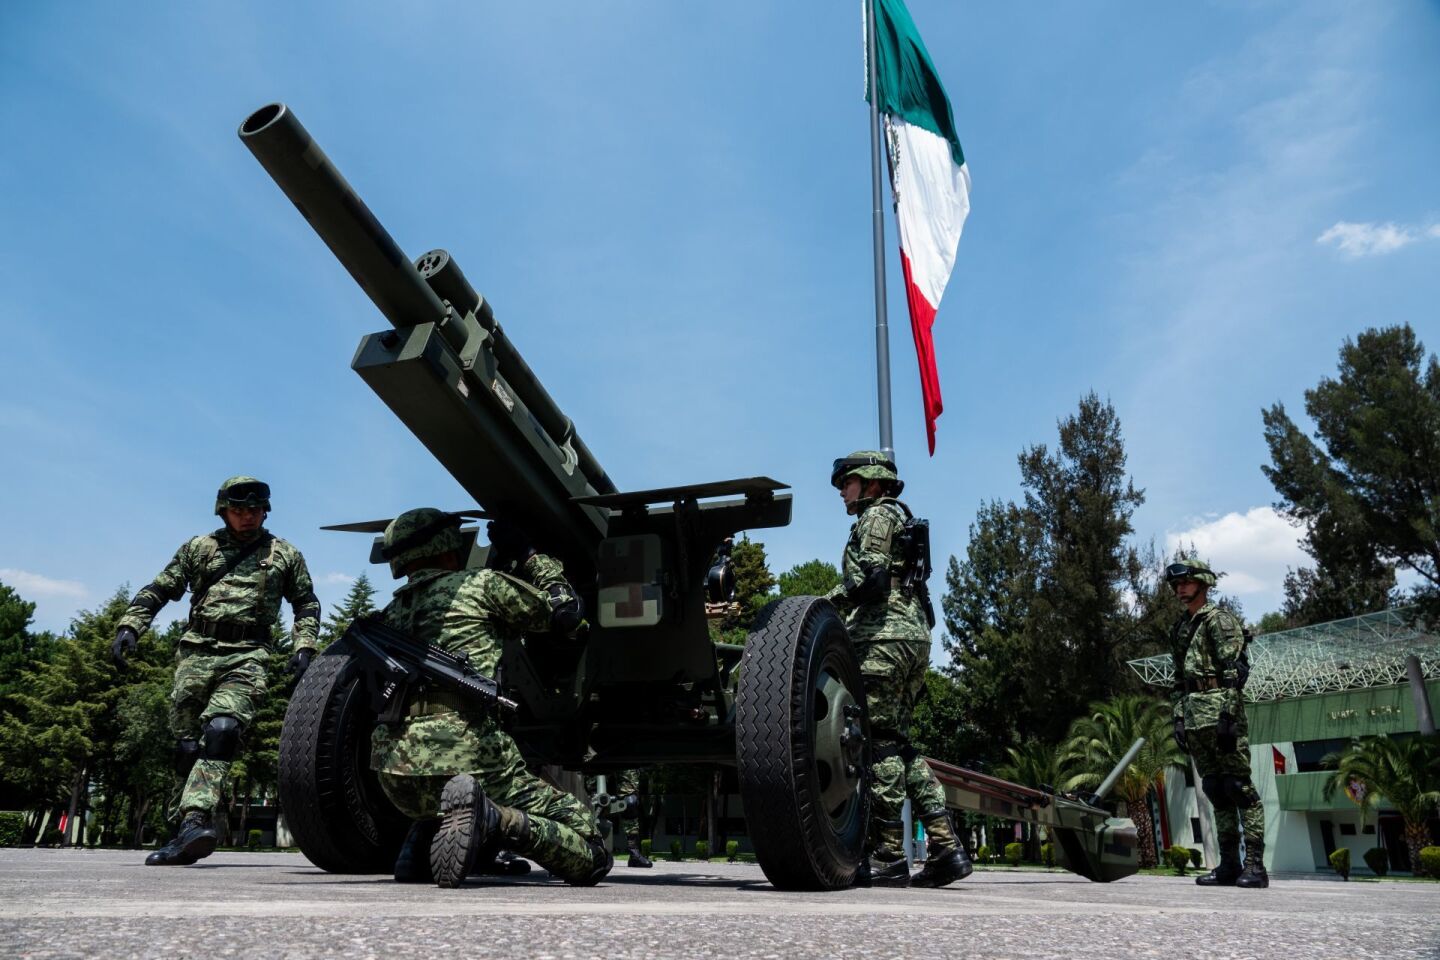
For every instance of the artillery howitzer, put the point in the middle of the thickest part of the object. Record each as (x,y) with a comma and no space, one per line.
(785,712)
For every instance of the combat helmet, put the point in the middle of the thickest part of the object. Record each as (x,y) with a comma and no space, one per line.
(867,465)
(1191,569)
(242,492)
(423,532)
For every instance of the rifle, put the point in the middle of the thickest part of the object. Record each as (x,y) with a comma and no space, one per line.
(396,661)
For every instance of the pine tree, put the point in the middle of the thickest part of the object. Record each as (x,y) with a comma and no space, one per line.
(358,602)
(813,578)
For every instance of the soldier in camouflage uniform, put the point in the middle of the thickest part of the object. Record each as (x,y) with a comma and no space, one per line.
(237,577)
(1208,645)
(891,633)
(448,765)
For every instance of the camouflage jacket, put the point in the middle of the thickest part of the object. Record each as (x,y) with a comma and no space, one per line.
(465,611)
(1206,649)
(250,594)
(875,541)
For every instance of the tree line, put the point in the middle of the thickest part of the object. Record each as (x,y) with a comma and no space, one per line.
(1050,597)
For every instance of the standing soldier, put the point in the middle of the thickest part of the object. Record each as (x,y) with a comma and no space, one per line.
(890,627)
(445,763)
(1208,646)
(237,577)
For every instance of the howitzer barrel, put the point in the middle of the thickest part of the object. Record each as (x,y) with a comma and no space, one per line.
(286,151)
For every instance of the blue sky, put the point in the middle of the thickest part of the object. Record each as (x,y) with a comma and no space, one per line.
(1185,208)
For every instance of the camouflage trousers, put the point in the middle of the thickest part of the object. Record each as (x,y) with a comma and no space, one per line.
(415,765)
(1225,778)
(213,682)
(894,676)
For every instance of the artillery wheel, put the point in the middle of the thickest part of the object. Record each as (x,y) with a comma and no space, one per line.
(332,800)
(801,736)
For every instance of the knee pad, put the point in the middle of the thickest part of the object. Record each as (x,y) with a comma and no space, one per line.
(187,751)
(222,738)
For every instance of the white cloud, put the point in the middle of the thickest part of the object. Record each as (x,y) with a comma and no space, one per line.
(32,585)
(1253,549)
(1356,240)
(337,580)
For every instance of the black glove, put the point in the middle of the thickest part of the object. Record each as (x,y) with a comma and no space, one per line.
(300,662)
(1180,735)
(508,545)
(1226,737)
(126,641)
(567,610)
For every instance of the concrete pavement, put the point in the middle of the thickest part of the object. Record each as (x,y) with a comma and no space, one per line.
(74,903)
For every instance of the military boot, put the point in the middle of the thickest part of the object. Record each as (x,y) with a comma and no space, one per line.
(638,859)
(603,859)
(1224,875)
(946,861)
(467,819)
(1253,877)
(886,865)
(195,840)
(413,863)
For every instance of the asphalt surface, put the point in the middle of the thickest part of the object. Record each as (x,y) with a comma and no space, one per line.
(71,903)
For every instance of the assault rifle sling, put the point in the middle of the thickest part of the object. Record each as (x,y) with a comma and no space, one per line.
(396,661)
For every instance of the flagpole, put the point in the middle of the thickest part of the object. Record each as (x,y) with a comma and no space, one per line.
(882,326)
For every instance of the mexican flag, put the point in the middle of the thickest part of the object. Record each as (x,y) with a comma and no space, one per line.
(928,176)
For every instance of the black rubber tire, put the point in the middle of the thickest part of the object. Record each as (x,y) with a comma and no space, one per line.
(332,800)
(796,644)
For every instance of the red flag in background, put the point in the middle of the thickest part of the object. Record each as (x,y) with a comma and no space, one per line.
(1279,759)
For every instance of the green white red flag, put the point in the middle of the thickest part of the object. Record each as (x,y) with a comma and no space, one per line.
(928,177)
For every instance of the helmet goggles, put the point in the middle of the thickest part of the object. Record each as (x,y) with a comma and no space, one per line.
(846,465)
(248,493)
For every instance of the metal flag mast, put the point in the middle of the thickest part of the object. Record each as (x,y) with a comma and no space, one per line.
(882,326)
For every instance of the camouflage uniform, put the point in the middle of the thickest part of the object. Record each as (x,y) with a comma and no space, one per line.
(891,634)
(472,612)
(892,639)
(220,661)
(1206,648)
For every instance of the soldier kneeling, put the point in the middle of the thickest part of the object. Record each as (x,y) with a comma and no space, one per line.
(443,762)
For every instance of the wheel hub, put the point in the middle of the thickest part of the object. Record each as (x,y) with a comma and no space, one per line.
(839,745)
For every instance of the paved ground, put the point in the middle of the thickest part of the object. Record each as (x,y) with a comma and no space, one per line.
(56,903)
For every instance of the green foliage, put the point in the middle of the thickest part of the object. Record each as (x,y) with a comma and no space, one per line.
(1178,858)
(702,850)
(1340,862)
(19,648)
(1099,741)
(939,729)
(1014,852)
(52,838)
(1378,861)
(1270,623)
(983,854)
(645,846)
(1366,492)
(1429,860)
(813,578)
(1038,616)
(754,582)
(359,600)
(252,839)
(1032,763)
(1197,858)
(1047,854)
(12,827)
(677,850)
(732,850)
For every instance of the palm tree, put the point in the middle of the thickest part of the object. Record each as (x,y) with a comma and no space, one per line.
(1033,764)
(1098,742)
(1404,770)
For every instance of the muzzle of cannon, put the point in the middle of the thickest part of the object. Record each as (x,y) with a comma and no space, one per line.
(447,369)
